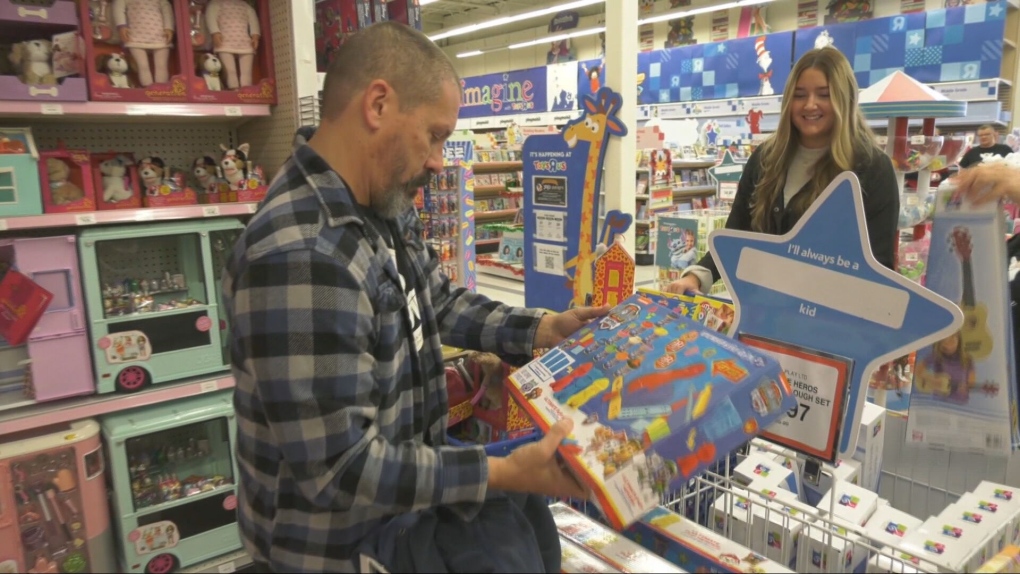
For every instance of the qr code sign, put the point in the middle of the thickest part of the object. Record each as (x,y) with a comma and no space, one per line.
(550,262)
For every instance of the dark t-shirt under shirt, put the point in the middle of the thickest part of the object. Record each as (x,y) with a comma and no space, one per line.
(973,156)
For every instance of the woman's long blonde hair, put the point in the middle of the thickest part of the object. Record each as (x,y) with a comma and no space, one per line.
(851,141)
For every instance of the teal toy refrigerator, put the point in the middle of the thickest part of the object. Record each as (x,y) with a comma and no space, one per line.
(172,470)
(153,299)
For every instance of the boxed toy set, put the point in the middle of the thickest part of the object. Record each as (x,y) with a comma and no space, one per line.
(655,399)
(43,51)
(888,526)
(574,559)
(606,546)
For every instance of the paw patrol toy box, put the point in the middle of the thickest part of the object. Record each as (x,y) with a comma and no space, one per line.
(655,399)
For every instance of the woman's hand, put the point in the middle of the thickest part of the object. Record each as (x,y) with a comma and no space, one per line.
(689,282)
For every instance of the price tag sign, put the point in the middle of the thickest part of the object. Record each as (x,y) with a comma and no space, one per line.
(139,110)
(820,385)
(51,109)
(210,211)
(227,568)
(85,219)
(3,225)
(253,207)
(917,140)
(209,386)
(232,111)
(727,190)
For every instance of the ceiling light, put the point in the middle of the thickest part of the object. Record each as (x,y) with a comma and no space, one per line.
(469,54)
(558,37)
(510,19)
(695,11)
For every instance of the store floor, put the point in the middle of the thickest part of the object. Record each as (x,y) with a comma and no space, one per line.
(512,292)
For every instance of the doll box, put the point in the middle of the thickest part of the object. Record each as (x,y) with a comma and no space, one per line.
(206,84)
(19,173)
(55,22)
(65,177)
(888,526)
(56,13)
(405,11)
(655,399)
(608,546)
(115,179)
(694,547)
(113,74)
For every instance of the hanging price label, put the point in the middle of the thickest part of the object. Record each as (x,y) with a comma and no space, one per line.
(85,219)
(210,211)
(819,383)
(232,111)
(209,386)
(253,207)
(51,109)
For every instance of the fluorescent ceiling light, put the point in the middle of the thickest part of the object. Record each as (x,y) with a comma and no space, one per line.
(469,54)
(510,19)
(695,11)
(558,37)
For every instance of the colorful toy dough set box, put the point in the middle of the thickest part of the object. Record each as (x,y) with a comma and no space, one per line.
(655,398)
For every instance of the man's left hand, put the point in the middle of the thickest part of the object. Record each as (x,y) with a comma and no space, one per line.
(554,327)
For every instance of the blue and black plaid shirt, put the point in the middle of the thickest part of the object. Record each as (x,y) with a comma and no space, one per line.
(334,433)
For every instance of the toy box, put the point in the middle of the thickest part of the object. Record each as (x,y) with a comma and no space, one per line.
(731,514)
(847,471)
(115,180)
(173,490)
(837,548)
(153,301)
(949,547)
(764,471)
(989,512)
(964,391)
(334,21)
(1001,499)
(163,185)
(694,547)
(655,399)
(43,43)
(53,511)
(66,181)
(777,525)
(22,303)
(606,545)
(406,11)
(229,53)
(575,560)
(887,526)
(849,503)
(892,561)
(57,349)
(19,173)
(133,50)
(969,526)
(871,445)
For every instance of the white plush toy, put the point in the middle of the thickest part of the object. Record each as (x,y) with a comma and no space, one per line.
(32,59)
(115,181)
(211,67)
(116,67)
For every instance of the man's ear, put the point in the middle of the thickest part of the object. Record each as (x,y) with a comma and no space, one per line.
(378,101)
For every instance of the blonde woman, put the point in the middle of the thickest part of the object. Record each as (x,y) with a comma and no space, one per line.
(821,133)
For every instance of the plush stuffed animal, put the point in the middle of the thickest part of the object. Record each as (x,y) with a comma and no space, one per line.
(151,170)
(62,190)
(204,170)
(115,180)
(116,68)
(211,67)
(33,62)
(235,165)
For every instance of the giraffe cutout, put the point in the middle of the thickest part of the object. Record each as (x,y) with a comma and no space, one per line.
(598,120)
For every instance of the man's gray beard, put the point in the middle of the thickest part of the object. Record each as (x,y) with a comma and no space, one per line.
(394,203)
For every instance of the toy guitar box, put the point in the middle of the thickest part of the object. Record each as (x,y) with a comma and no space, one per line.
(964,394)
(655,399)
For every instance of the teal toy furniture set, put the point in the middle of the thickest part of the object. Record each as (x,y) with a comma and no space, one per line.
(153,299)
(173,482)
(19,173)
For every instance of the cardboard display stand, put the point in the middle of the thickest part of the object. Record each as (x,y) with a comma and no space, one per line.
(562,180)
(818,300)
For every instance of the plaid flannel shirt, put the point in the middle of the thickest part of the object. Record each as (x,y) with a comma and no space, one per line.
(334,434)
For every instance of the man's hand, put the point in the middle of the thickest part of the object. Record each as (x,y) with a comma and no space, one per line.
(534,468)
(989,182)
(554,327)
(689,282)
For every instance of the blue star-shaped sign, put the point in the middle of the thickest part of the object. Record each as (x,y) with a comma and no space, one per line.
(727,175)
(820,289)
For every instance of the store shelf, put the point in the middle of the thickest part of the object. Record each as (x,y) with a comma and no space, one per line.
(484,242)
(222,565)
(693,191)
(643,222)
(688,163)
(126,216)
(102,111)
(489,189)
(500,272)
(55,412)
(513,189)
(498,214)
(497,166)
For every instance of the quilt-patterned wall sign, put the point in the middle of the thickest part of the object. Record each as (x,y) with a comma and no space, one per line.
(945,45)
(717,70)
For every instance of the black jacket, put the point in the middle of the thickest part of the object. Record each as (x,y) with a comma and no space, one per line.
(881,207)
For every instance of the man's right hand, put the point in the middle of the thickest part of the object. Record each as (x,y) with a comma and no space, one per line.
(689,282)
(534,468)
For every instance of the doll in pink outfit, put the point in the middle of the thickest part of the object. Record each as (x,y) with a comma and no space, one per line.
(146,26)
(234,26)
